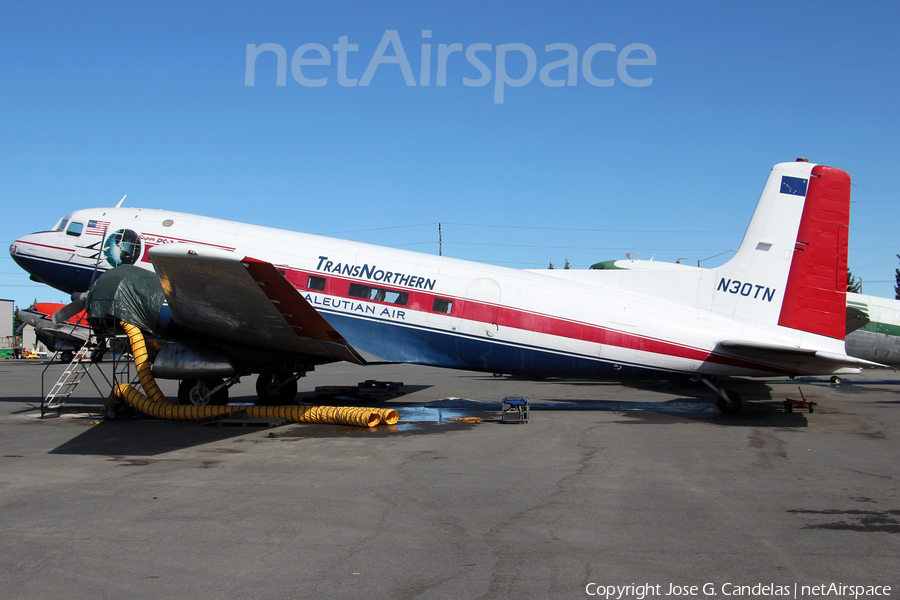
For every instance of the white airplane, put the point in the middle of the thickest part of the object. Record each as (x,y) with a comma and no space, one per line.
(248,299)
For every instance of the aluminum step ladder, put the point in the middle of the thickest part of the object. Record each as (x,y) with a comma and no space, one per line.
(69,380)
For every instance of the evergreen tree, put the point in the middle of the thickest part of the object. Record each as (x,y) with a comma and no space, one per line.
(854,284)
(897,279)
(17,322)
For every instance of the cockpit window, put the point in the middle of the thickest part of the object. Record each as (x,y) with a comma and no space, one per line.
(61,225)
(75,228)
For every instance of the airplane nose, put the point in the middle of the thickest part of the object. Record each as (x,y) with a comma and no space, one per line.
(50,258)
(15,251)
(18,250)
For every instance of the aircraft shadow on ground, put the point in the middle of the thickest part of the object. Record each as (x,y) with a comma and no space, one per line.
(693,403)
(149,437)
(145,437)
(359,398)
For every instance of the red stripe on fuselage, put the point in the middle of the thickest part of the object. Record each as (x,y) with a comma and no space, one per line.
(45,246)
(471,310)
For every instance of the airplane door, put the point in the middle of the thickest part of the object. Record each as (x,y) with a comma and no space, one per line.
(482,299)
(480,325)
(617,347)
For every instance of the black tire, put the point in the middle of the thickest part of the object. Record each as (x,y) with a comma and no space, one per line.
(732,405)
(273,390)
(195,391)
(788,406)
(835,380)
(66,356)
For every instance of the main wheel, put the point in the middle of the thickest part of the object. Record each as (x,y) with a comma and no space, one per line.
(836,380)
(276,388)
(66,356)
(732,405)
(196,392)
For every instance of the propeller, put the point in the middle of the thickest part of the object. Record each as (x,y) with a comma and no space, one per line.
(70,310)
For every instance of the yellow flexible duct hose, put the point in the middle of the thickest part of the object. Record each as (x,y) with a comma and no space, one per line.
(155,404)
(142,364)
(389,416)
(336,415)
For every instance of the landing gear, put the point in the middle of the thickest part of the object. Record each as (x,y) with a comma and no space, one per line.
(201,392)
(276,388)
(66,356)
(697,380)
(835,380)
(730,402)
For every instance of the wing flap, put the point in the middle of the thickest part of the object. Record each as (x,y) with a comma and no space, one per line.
(243,301)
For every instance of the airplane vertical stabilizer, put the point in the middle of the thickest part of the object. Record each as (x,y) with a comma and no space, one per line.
(791,267)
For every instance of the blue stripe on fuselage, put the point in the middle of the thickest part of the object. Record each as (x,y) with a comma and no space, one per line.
(393,342)
(68,278)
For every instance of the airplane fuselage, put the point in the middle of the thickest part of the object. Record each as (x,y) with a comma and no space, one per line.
(402,306)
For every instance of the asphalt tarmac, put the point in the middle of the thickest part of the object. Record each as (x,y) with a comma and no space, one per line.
(609,484)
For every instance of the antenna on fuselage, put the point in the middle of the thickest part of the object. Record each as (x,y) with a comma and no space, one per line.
(121,201)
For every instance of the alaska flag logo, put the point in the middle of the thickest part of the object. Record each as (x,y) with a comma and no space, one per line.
(794,186)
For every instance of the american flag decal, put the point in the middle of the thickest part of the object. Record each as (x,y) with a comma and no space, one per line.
(95,227)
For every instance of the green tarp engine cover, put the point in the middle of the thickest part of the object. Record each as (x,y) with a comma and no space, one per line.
(129,294)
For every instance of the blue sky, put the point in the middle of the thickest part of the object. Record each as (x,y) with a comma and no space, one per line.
(149,99)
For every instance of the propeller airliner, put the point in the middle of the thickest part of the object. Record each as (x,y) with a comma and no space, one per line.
(243,299)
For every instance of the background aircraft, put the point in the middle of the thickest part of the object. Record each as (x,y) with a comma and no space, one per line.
(230,299)
(877,336)
(64,336)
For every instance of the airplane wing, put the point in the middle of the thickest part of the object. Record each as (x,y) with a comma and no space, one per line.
(245,301)
(775,352)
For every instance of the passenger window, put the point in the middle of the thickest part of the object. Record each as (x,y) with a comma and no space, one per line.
(316,283)
(442,306)
(74,228)
(368,292)
(401,298)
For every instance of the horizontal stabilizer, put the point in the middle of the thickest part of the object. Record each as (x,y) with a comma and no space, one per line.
(243,301)
(781,353)
(856,319)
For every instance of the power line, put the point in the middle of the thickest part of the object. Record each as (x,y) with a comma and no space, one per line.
(587,230)
(380,228)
